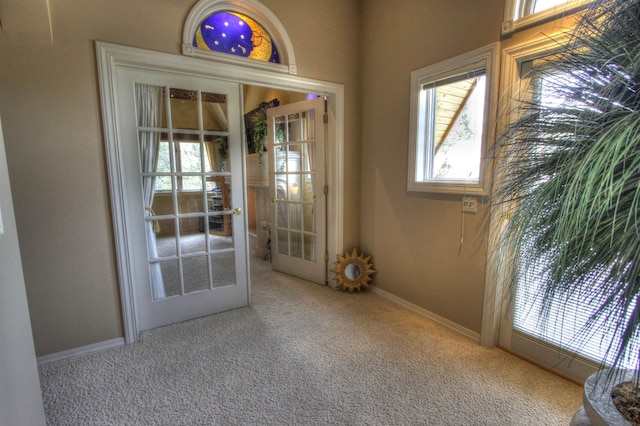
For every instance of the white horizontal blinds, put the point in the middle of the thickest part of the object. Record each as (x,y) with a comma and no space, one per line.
(567,314)
(565,319)
(469,71)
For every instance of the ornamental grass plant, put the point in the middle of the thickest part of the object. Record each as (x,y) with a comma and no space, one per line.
(567,174)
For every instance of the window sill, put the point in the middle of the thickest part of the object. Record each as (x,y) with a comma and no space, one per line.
(447,187)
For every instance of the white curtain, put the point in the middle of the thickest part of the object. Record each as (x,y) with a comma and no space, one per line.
(149,112)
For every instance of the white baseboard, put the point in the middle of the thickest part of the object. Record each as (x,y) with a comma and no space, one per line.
(83,350)
(427,314)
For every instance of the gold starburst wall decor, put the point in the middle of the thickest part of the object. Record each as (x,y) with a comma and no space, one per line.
(353,271)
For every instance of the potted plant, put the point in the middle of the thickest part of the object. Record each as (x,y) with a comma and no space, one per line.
(567,173)
(260,136)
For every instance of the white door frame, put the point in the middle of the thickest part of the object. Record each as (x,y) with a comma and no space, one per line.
(112,56)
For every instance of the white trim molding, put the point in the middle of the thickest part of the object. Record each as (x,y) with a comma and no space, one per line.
(427,314)
(256,11)
(495,324)
(518,16)
(111,58)
(419,154)
(83,350)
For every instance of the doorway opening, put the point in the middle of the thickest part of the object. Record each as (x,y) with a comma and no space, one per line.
(114,61)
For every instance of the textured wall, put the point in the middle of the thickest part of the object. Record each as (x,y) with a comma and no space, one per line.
(414,237)
(49,102)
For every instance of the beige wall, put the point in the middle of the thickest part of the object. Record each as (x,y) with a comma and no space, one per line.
(51,113)
(414,238)
(50,108)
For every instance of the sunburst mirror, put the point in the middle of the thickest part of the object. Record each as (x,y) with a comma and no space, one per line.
(353,271)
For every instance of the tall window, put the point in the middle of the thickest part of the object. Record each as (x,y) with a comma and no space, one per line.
(520,14)
(452,112)
(567,316)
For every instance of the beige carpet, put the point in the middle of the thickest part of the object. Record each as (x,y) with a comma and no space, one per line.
(304,354)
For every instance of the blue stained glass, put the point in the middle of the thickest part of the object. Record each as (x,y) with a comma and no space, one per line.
(235,34)
(227,33)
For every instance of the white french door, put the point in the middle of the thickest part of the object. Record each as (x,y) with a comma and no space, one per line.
(556,343)
(297,189)
(181,151)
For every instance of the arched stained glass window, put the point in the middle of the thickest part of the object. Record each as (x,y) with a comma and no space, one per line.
(239,32)
(235,34)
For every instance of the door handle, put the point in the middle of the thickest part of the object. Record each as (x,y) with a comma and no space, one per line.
(237,211)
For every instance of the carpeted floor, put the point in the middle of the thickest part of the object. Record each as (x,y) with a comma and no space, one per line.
(304,354)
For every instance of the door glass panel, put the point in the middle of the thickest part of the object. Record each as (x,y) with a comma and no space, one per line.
(165,156)
(293,187)
(295,217)
(214,111)
(196,273)
(283,242)
(219,205)
(295,131)
(282,216)
(192,242)
(163,181)
(280,135)
(223,268)
(165,240)
(163,204)
(191,202)
(294,184)
(184,109)
(170,278)
(217,243)
(185,175)
(309,247)
(191,161)
(295,245)
(217,153)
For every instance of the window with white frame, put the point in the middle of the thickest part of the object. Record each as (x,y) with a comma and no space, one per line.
(520,14)
(452,115)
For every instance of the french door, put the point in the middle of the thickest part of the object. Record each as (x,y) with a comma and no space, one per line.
(181,150)
(296,186)
(557,343)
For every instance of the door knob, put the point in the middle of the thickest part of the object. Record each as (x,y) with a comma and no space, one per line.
(237,211)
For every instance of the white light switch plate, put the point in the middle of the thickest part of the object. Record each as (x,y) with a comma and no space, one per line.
(469,204)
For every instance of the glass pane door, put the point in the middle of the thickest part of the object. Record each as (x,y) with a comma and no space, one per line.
(183,157)
(559,341)
(296,161)
(189,233)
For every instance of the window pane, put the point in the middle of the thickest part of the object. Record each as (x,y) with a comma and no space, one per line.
(452,113)
(453,117)
(458,154)
(191,161)
(540,5)
(163,183)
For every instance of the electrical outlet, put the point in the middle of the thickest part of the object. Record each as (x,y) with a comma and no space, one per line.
(469,204)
